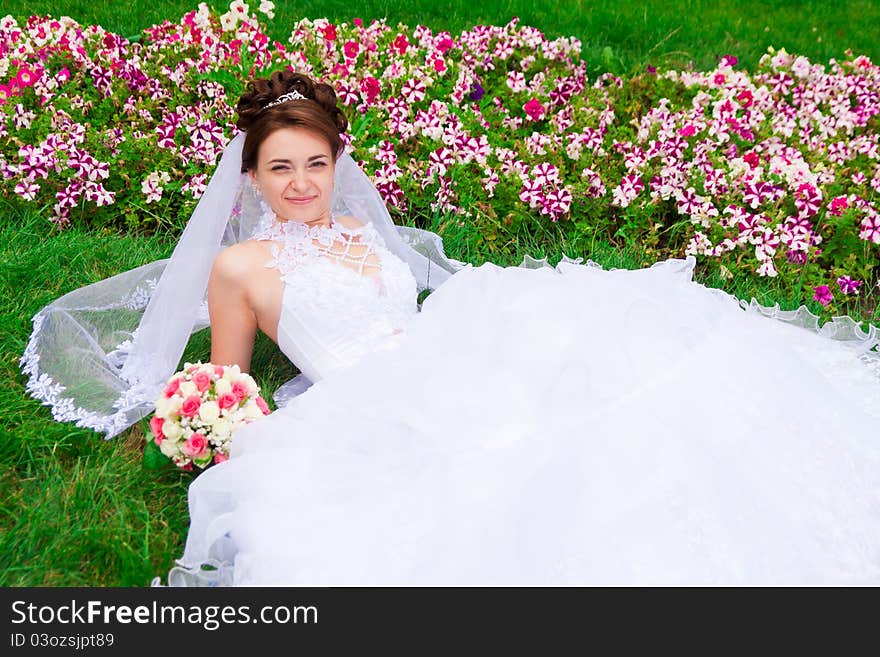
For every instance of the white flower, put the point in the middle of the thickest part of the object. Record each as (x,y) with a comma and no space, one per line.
(252,411)
(171,430)
(268,8)
(169,448)
(221,428)
(165,406)
(231,373)
(239,7)
(188,388)
(222,387)
(228,22)
(209,411)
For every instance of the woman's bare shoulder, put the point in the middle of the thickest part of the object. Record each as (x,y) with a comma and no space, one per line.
(241,259)
(350,222)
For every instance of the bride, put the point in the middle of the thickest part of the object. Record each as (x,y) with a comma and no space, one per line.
(525,426)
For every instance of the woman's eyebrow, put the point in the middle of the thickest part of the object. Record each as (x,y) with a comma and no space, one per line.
(311,159)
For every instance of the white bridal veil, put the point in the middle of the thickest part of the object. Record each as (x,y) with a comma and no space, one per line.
(100,355)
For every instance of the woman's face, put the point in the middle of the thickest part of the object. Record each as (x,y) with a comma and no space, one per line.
(295,175)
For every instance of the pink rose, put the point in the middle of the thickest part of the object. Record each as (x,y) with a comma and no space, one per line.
(218,370)
(190,406)
(219,458)
(195,445)
(240,390)
(202,381)
(156,427)
(172,388)
(227,400)
(262,405)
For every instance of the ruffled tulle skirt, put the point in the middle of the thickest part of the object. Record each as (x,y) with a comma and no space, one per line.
(567,426)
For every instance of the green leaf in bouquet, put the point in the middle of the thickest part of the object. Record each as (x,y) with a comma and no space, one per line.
(154,459)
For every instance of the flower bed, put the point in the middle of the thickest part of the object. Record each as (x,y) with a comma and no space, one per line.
(770,174)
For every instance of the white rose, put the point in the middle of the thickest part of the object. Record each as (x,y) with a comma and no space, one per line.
(221,427)
(223,386)
(165,406)
(169,448)
(188,388)
(252,411)
(209,411)
(171,430)
(231,373)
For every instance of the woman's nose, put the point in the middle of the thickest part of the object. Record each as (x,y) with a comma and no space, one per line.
(298,179)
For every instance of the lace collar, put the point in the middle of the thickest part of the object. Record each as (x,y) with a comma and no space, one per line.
(294,243)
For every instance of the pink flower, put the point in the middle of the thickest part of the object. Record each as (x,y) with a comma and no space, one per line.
(745,98)
(219,458)
(351,49)
(445,44)
(401,43)
(190,406)
(329,32)
(534,110)
(7,92)
(219,370)
(63,75)
(26,77)
(240,390)
(172,387)
(838,205)
(195,446)
(156,427)
(688,131)
(263,406)
(752,159)
(227,400)
(848,285)
(359,22)
(370,89)
(823,295)
(202,381)
(719,79)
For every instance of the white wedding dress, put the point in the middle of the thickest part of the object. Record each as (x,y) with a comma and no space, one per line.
(544,426)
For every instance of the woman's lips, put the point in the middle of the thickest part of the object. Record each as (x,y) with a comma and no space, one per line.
(300,201)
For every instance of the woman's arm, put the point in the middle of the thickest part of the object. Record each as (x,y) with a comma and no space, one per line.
(233,321)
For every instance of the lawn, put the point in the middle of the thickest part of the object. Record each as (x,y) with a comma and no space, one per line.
(81,511)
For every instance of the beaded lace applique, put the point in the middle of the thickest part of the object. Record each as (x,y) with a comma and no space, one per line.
(294,243)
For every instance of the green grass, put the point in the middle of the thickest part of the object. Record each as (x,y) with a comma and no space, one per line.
(617,36)
(78,510)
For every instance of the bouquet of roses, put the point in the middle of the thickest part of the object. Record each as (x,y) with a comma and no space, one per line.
(200,408)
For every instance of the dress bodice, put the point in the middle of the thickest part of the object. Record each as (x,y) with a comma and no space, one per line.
(345,293)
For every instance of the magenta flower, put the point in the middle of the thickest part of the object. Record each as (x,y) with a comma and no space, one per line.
(26,77)
(823,295)
(351,49)
(838,205)
(370,89)
(848,285)
(534,110)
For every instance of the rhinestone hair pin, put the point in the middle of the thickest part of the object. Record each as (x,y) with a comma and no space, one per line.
(290,95)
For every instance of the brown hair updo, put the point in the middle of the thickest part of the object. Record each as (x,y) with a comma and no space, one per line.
(319,113)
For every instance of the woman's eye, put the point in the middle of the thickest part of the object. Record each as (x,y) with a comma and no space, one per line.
(319,164)
(279,168)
